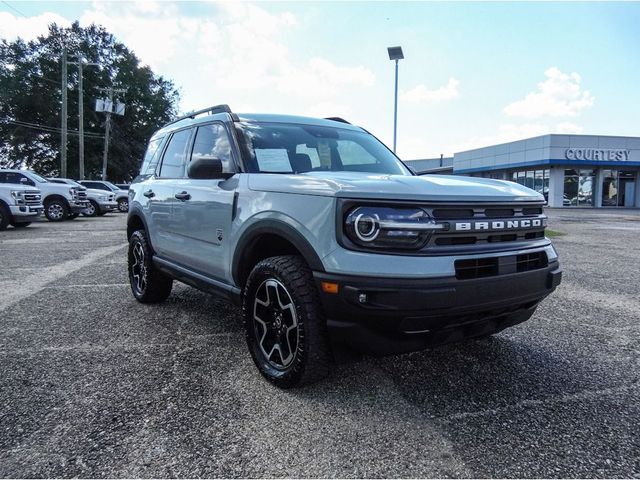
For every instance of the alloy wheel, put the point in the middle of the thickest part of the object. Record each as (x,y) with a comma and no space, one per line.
(275,323)
(138,269)
(55,211)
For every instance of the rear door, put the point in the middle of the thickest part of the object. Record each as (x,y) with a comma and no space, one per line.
(203,208)
(159,192)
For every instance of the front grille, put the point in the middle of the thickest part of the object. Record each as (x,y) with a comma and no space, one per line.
(111,198)
(32,198)
(82,195)
(499,231)
(493,266)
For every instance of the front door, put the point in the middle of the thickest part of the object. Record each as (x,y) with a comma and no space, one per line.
(203,209)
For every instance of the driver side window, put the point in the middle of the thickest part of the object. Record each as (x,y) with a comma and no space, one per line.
(212,141)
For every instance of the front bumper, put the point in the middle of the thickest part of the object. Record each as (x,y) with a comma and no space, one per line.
(388,315)
(77,206)
(107,206)
(25,213)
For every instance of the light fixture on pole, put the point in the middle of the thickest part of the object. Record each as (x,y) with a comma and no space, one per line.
(395,54)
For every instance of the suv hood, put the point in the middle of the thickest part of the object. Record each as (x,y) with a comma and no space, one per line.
(395,187)
(19,187)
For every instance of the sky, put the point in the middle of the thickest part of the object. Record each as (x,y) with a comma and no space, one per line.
(474,74)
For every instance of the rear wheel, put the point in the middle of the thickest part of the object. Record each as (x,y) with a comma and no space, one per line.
(20,225)
(5,217)
(56,210)
(148,284)
(284,324)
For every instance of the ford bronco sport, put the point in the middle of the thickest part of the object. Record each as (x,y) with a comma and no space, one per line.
(319,231)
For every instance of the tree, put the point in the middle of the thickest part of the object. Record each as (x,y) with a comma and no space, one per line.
(30,102)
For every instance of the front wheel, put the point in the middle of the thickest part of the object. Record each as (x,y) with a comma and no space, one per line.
(56,210)
(92,210)
(284,324)
(5,217)
(148,284)
(123,205)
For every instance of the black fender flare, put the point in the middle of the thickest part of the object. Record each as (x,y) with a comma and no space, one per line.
(136,211)
(55,196)
(273,227)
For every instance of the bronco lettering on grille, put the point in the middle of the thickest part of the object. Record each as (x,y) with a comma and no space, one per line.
(496,225)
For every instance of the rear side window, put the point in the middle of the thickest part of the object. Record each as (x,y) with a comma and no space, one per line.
(212,141)
(151,157)
(174,156)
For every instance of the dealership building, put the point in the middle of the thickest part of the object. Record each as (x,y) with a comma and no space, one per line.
(569,170)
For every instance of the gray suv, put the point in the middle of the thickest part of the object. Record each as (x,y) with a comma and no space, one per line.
(325,237)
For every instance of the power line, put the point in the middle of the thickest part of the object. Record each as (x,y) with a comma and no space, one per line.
(48,129)
(14,9)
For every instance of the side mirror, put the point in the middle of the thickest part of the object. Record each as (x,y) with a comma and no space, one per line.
(204,168)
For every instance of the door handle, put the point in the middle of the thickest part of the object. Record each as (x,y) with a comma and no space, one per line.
(149,194)
(182,196)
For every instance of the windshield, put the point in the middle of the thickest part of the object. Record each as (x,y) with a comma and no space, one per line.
(38,177)
(298,148)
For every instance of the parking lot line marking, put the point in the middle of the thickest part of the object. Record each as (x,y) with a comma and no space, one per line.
(571,397)
(89,285)
(13,292)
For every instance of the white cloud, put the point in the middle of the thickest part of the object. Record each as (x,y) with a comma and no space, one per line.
(421,94)
(12,27)
(560,95)
(328,109)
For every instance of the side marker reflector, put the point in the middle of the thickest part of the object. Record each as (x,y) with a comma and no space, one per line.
(328,287)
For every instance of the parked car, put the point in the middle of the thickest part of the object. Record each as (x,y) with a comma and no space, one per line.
(19,204)
(100,202)
(123,186)
(122,196)
(61,202)
(316,228)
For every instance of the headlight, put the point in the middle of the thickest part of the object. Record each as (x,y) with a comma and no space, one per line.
(18,196)
(388,227)
(102,198)
(72,192)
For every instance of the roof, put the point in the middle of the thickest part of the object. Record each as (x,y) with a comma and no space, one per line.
(257,117)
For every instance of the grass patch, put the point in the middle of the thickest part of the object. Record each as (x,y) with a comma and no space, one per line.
(553,233)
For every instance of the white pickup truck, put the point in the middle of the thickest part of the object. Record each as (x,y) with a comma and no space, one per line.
(19,205)
(61,202)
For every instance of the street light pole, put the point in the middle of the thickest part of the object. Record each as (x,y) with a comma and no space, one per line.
(395,54)
(395,110)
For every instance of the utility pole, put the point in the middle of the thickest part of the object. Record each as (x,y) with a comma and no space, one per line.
(395,54)
(107,108)
(81,61)
(63,135)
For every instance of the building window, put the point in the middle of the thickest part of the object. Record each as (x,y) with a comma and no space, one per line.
(618,188)
(537,180)
(578,188)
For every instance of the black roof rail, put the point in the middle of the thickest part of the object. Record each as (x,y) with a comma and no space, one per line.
(337,119)
(223,108)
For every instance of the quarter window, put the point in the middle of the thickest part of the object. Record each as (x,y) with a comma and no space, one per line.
(174,157)
(150,161)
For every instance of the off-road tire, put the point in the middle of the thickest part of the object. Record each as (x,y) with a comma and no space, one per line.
(123,205)
(312,357)
(5,217)
(91,213)
(20,224)
(50,208)
(148,284)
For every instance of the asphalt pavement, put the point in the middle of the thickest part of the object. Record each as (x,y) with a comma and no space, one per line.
(94,384)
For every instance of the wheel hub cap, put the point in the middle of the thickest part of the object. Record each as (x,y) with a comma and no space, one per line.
(55,211)
(275,323)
